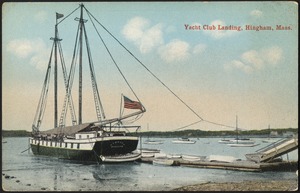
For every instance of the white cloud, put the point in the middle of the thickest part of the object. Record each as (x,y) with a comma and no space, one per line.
(256,13)
(176,50)
(198,49)
(218,34)
(256,60)
(272,55)
(34,50)
(142,34)
(239,65)
(41,16)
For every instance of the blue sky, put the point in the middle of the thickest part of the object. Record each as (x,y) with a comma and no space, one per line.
(219,74)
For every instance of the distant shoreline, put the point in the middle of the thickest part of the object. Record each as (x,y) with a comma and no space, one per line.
(185,133)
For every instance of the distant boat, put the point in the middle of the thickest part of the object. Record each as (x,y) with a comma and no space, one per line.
(242,145)
(243,142)
(152,142)
(184,141)
(269,139)
(103,139)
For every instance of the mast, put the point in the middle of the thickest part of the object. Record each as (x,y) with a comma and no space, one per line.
(80,67)
(237,131)
(55,75)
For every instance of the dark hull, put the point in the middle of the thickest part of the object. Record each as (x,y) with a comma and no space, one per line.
(109,147)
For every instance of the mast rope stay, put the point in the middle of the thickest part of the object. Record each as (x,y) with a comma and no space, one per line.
(43,98)
(112,58)
(158,79)
(98,104)
(70,82)
(65,75)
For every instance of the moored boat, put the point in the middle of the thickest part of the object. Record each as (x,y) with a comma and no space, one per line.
(191,158)
(243,145)
(184,141)
(163,161)
(102,140)
(221,158)
(153,142)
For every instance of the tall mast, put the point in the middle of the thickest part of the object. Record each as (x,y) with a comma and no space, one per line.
(80,68)
(237,131)
(55,75)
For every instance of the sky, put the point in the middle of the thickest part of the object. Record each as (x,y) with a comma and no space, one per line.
(219,74)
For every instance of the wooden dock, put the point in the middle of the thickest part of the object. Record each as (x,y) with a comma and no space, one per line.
(242,165)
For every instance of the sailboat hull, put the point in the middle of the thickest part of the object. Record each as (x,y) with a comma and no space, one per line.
(82,150)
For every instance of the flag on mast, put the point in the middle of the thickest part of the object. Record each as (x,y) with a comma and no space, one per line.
(129,104)
(59,15)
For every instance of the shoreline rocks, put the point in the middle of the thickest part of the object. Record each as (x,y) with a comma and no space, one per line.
(273,185)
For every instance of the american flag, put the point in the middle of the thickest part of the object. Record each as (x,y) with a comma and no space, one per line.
(129,104)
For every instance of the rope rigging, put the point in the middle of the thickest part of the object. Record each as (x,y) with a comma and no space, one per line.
(71,104)
(112,58)
(43,98)
(69,78)
(143,65)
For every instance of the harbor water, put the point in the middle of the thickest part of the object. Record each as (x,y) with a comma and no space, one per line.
(36,173)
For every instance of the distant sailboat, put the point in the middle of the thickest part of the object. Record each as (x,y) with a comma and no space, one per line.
(269,139)
(151,141)
(240,142)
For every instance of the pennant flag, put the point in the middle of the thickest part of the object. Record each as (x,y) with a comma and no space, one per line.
(129,104)
(58,15)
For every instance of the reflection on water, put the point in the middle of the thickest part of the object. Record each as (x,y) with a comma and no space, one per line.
(43,173)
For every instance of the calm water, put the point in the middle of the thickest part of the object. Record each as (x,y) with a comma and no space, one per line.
(41,173)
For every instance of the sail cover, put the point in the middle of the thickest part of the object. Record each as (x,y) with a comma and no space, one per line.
(70,130)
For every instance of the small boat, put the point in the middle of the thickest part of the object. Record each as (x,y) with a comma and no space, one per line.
(153,142)
(147,155)
(163,161)
(225,141)
(242,145)
(184,141)
(221,158)
(147,150)
(191,158)
(120,158)
(242,141)
(175,156)
(160,155)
